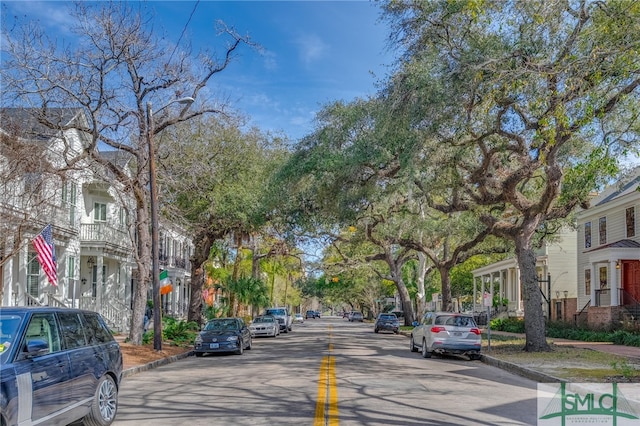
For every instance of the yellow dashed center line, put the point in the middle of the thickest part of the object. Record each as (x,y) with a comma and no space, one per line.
(327,403)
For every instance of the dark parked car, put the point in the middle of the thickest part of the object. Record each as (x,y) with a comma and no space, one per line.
(223,335)
(387,322)
(57,366)
(312,314)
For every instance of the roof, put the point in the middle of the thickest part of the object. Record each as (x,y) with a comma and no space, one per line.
(624,187)
(29,123)
(617,244)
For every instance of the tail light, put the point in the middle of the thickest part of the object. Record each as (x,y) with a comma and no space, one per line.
(437,329)
(475,331)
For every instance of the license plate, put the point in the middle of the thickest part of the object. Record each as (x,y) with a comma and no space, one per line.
(457,333)
(214,345)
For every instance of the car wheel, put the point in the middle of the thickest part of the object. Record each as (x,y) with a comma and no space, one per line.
(250,344)
(240,349)
(199,354)
(425,352)
(290,328)
(474,357)
(412,345)
(375,330)
(105,404)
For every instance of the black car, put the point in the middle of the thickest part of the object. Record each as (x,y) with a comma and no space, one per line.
(223,335)
(387,322)
(312,314)
(57,366)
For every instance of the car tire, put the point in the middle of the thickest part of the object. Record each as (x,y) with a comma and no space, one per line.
(375,330)
(240,349)
(250,345)
(412,345)
(105,403)
(474,357)
(199,354)
(425,351)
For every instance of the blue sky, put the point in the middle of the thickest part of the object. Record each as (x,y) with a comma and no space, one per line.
(314,52)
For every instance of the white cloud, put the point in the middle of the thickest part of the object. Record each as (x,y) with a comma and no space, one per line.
(311,48)
(54,15)
(270,60)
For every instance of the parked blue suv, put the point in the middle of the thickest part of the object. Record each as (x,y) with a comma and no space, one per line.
(57,366)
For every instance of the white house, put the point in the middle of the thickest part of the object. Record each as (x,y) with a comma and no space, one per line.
(609,256)
(89,212)
(556,264)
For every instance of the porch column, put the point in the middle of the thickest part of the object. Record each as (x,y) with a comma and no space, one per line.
(615,283)
(475,293)
(595,282)
(6,274)
(99,284)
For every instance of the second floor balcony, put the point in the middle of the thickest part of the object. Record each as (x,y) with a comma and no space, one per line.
(103,235)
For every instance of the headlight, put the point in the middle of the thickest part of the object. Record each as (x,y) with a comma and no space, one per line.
(198,339)
(232,338)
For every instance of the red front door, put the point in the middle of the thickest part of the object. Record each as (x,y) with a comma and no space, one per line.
(631,280)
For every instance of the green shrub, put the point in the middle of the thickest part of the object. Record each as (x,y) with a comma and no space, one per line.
(511,325)
(180,332)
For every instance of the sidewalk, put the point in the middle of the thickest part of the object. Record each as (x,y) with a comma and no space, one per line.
(622,350)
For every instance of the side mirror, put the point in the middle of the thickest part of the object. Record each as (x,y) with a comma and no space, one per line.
(415,323)
(36,347)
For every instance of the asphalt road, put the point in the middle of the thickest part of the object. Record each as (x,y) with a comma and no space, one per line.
(327,372)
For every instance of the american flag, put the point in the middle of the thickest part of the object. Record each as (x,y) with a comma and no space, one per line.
(46,253)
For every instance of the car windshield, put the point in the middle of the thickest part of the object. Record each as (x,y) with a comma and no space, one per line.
(388,317)
(222,325)
(455,320)
(263,319)
(276,312)
(8,328)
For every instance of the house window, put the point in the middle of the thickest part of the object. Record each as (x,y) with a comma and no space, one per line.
(99,212)
(587,282)
(631,222)
(123,217)
(94,279)
(32,184)
(33,275)
(69,196)
(587,235)
(71,267)
(602,228)
(603,277)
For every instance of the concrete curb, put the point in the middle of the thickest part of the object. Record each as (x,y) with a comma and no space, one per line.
(154,364)
(520,371)
(513,368)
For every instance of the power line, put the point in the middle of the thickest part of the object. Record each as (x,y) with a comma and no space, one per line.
(183,30)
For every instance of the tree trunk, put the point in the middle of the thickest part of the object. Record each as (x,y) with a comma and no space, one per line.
(143,262)
(445,281)
(422,273)
(200,256)
(534,321)
(407,307)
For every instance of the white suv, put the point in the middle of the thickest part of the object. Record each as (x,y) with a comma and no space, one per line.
(283,316)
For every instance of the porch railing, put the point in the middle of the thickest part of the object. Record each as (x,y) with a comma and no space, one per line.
(603,297)
(577,316)
(31,301)
(55,302)
(103,232)
(116,314)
